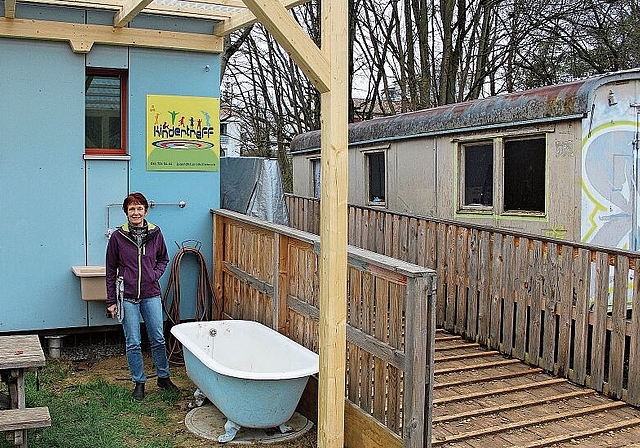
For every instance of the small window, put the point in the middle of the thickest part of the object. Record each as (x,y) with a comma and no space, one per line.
(525,175)
(105,112)
(377,177)
(477,171)
(315,173)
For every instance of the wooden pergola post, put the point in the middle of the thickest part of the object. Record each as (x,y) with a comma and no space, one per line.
(327,69)
(333,227)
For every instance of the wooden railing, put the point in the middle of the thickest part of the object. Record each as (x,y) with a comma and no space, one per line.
(270,273)
(563,306)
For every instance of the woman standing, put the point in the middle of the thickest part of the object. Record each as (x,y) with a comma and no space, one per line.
(137,257)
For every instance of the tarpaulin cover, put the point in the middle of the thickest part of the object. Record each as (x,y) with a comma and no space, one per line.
(253,186)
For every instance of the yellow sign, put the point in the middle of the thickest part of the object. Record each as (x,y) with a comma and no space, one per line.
(183,133)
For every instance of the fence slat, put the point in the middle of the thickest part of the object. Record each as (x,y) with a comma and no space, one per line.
(634,343)
(581,273)
(618,323)
(535,311)
(521,286)
(497,270)
(601,300)
(565,279)
(509,295)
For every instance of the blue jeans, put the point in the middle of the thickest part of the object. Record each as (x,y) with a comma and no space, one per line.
(151,311)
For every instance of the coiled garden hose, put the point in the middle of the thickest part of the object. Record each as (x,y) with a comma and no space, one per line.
(207,306)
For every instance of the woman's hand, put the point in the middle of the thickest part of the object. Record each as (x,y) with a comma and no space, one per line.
(111,310)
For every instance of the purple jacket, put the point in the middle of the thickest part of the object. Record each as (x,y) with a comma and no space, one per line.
(141,267)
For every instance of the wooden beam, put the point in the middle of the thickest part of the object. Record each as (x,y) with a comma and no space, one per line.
(129,10)
(10,9)
(246,18)
(274,16)
(334,142)
(82,37)
(185,9)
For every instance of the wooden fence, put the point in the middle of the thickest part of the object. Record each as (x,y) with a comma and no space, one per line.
(563,306)
(270,274)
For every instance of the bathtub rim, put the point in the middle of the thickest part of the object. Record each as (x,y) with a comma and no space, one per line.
(179,332)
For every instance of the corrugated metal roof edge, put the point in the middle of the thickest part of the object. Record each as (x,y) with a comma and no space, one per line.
(545,104)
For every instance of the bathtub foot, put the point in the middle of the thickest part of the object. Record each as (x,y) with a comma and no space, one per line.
(284,428)
(231,429)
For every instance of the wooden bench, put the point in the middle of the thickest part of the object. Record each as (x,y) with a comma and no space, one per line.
(19,420)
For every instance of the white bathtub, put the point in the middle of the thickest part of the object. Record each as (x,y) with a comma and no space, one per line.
(254,375)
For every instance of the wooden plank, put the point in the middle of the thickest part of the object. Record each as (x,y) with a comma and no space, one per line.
(633,387)
(600,321)
(509,295)
(440,250)
(396,335)
(521,285)
(473,272)
(535,309)
(496,291)
(26,418)
(574,437)
(484,278)
(581,273)
(82,36)
(362,430)
(380,332)
(524,423)
(461,281)
(486,378)
(484,365)
(513,405)
(550,286)
(618,322)
(416,373)
(451,249)
(503,390)
(21,352)
(564,306)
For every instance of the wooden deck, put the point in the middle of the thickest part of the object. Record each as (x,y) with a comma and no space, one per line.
(483,399)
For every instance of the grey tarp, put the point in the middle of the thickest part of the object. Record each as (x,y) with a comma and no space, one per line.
(253,186)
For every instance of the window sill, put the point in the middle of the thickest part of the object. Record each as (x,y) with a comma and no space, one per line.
(106,157)
(377,204)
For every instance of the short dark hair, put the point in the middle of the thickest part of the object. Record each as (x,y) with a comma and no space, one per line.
(135,198)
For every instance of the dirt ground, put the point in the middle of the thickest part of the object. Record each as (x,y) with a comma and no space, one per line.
(114,369)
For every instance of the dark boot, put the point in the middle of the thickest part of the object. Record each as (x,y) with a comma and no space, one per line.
(166,384)
(138,392)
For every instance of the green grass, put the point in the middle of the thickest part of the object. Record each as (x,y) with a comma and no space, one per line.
(95,413)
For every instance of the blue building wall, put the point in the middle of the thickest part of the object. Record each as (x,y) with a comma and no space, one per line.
(56,206)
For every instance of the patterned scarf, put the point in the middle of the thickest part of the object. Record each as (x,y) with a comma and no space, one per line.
(139,234)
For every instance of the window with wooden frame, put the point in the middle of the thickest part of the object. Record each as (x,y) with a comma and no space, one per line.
(476,172)
(505,176)
(376,171)
(105,112)
(315,177)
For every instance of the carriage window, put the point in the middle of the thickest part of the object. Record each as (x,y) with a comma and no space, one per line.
(105,118)
(376,177)
(477,174)
(315,181)
(525,175)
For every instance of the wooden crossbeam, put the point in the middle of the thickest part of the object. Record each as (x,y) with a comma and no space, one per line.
(129,10)
(82,37)
(246,18)
(10,9)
